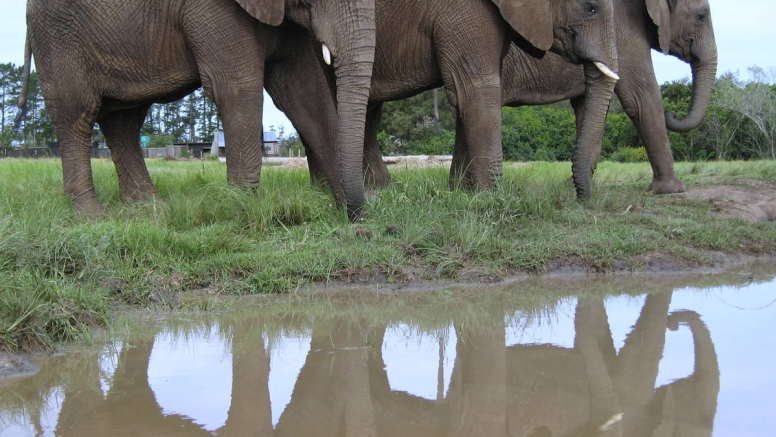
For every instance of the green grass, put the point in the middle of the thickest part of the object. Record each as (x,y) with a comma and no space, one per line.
(60,273)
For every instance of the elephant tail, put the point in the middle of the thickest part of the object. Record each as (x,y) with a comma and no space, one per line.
(22,103)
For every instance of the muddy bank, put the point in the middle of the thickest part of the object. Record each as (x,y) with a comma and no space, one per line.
(15,366)
(653,266)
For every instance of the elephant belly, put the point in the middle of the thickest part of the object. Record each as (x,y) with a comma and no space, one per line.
(405,59)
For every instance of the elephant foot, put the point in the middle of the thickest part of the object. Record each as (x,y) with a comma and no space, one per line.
(470,182)
(89,207)
(668,185)
(245,180)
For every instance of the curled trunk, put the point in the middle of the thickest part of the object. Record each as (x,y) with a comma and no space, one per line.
(703,59)
(703,74)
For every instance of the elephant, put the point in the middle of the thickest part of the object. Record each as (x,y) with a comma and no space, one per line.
(109,63)
(441,57)
(681,28)
(460,44)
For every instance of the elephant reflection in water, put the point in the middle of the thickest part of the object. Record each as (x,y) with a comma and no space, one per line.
(332,393)
(524,390)
(610,393)
(128,409)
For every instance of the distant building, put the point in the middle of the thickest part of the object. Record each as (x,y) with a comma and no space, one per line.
(271,144)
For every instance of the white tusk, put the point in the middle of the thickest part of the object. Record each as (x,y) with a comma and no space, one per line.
(612,420)
(605,70)
(327,56)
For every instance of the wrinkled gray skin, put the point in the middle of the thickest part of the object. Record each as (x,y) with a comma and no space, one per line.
(466,63)
(459,44)
(106,62)
(681,28)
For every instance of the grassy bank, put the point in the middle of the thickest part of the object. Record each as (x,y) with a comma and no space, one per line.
(60,274)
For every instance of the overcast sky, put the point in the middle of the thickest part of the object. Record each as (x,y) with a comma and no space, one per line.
(745,32)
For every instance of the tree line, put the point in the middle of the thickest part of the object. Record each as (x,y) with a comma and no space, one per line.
(740,123)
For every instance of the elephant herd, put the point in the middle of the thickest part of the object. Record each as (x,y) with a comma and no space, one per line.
(329,65)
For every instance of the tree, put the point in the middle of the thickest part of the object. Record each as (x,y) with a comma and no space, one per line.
(527,130)
(37,128)
(10,85)
(755,101)
(193,118)
(411,126)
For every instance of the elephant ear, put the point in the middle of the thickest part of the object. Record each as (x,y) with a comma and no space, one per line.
(660,12)
(532,19)
(267,11)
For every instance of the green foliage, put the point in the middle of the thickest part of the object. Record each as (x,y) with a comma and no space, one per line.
(6,136)
(630,154)
(544,154)
(529,128)
(739,124)
(192,119)
(408,126)
(619,133)
(161,141)
(292,146)
(36,129)
(441,144)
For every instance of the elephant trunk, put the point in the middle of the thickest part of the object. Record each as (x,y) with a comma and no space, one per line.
(704,71)
(591,121)
(353,70)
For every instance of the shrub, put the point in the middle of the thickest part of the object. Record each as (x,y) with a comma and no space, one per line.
(630,154)
(441,144)
(544,154)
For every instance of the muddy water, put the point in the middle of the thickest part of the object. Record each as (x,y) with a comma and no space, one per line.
(679,356)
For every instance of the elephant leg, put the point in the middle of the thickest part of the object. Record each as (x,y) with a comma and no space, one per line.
(460,160)
(230,59)
(376,173)
(241,109)
(640,97)
(480,125)
(74,119)
(122,134)
(473,86)
(636,367)
(479,403)
(315,166)
(594,344)
(299,87)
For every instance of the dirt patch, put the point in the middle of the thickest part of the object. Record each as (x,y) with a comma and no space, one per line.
(756,202)
(294,163)
(418,161)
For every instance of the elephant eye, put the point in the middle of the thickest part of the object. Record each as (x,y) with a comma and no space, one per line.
(591,9)
(701,18)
